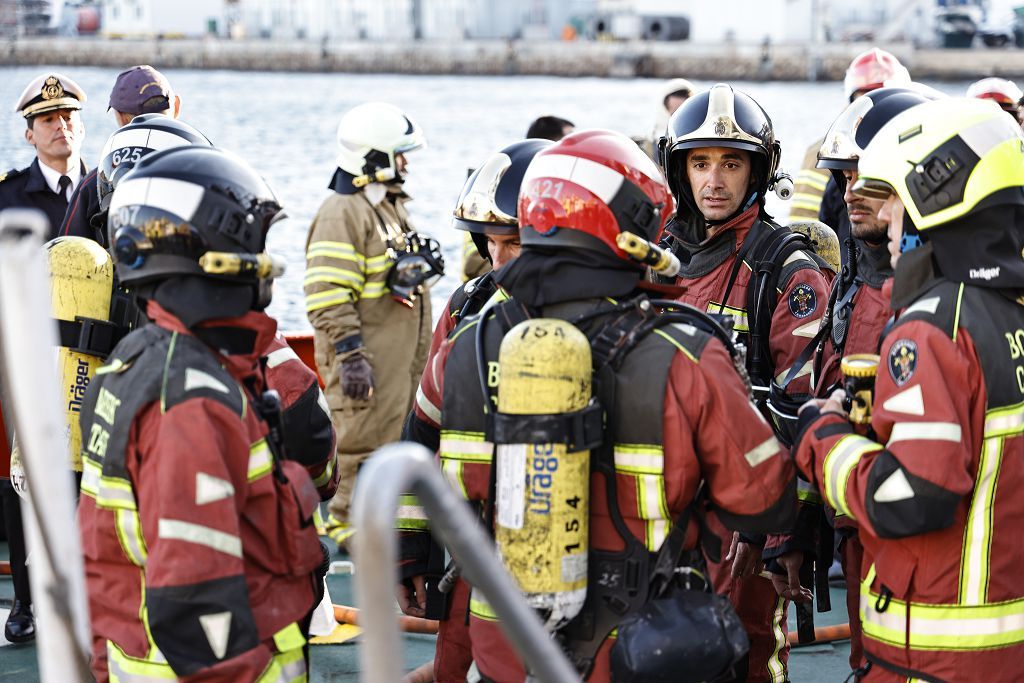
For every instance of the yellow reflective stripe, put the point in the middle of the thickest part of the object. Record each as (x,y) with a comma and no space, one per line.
(328,472)
(806,492)
(807,205)
(261,460)
(653,508)
(91,472)
(974,565)
(289,638)
(666,336)
(333,276)
(813,177)
(375,290)
(465,446)
(410,515)
(942,626)
(740,322)
(115,493)
(838,465)
(639,458)
(286,667)
(480,608)
(128,527)
(378,264)
(428,408)
(776,670)
(452,470)
(338,250)
(125,669)
(956,317)
(328,298)
(925,431)
(1007,421)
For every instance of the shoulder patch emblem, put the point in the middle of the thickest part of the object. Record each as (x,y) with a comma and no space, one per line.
(902,361)
(802,301)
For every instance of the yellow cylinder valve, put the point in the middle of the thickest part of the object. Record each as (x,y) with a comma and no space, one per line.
(859,371)
(81,282)
(543,490)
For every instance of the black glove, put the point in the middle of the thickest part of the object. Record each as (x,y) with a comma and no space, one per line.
(357,377)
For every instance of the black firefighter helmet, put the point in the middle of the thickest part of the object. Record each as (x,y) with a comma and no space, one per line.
(195,213)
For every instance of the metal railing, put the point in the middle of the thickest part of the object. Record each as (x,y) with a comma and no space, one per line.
(410,468)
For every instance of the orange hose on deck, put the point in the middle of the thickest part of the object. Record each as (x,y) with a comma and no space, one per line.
(350,615)
(424,673)
(823,634)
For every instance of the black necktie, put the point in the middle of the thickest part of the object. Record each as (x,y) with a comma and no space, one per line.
(63,184)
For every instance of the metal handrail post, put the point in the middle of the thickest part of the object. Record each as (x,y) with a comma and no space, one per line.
(407,467)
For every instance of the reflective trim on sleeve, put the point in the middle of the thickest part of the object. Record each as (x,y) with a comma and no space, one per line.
(739,315)
(975,562)
(653,506)
(328,298)
(375,290)
(806,492)
(378,264)
(813,177)
(329,275)
(776,669)
(757,455)
(337,250)
(91,472)
(465,446)
(639,458)
(114,493)
(428,408)
(838,465)
(410,516)
(128,527)
(187,532)
(941,626)
(1007,421)
(480,608)
(261,460)
(286,667)
(125,669)
(289,638)
(328,472)
(925,431)
(282,355)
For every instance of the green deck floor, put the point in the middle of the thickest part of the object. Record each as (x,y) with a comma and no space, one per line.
(340,663)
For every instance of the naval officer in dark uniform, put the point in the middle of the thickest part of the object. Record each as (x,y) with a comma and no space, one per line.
(50,104)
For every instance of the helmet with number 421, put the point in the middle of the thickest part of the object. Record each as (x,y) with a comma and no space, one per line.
(589,187)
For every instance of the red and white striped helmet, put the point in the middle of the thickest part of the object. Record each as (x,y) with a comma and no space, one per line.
(587,188)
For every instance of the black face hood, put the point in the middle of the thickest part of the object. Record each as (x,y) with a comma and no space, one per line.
(983,249)
(545,275)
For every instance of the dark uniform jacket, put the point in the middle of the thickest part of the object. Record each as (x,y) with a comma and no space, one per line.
(28,188)
(84,204)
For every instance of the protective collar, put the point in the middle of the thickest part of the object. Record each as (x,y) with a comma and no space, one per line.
(542,276)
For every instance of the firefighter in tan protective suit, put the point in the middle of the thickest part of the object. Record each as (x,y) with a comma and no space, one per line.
(366,292)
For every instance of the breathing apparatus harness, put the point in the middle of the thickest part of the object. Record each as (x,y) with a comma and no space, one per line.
(620,582)
(416,261)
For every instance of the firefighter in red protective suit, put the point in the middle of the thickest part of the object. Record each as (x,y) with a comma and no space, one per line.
(487,209)
(858,307)
(202,560)
(934,489)
(721,158)
(672,397)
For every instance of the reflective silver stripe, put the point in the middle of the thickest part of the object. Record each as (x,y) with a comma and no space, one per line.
(759,454)
(635,460)
(978,528)
(925,431)
(1004,423)
(260,459)
(91,476)
(428,408)
(129,532)
(805,370)
(838,464)
(177,530)
(283,355)
(411,512)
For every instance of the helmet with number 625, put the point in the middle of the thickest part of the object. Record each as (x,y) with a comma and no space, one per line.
(584,190)
(142,135)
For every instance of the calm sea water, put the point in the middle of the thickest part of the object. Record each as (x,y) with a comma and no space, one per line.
(284,124)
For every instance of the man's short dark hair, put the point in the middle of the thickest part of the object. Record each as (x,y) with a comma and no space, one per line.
(549,128)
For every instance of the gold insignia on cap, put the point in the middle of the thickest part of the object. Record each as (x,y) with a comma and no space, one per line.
(52,89)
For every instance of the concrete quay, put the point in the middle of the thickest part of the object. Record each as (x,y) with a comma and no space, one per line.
(600,59)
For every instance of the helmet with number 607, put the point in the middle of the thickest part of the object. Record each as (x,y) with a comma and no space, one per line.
(143,135)
(589,187)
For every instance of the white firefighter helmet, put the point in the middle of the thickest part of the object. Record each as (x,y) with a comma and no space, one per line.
(370,135)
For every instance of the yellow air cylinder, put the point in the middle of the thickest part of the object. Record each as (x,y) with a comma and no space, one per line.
(81,281)
(823,240)
(543,491)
